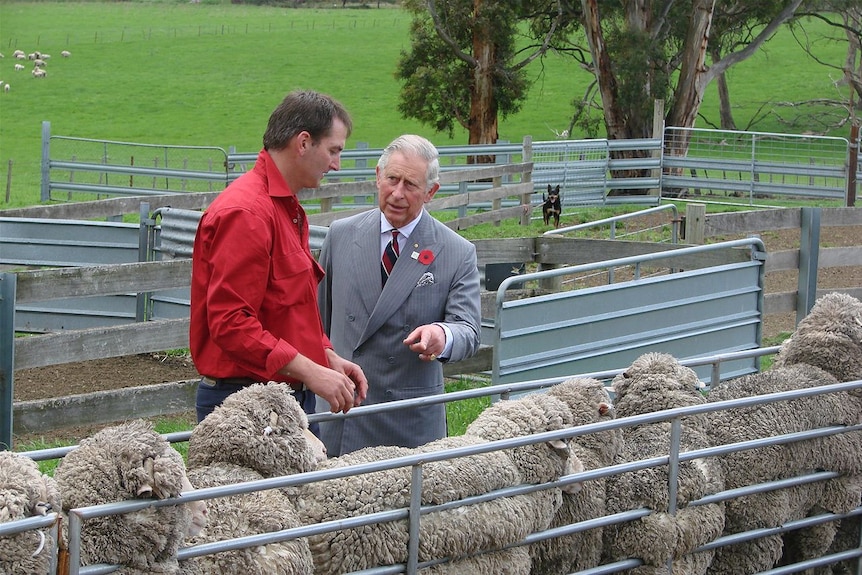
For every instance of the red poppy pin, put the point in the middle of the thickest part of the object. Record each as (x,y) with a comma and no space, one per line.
(425,257)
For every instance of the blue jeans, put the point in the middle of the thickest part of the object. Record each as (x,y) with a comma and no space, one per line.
(210,396)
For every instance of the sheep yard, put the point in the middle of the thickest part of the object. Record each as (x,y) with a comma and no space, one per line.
(138,370)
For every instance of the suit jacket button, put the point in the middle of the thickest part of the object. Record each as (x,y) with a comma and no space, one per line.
(390,360)
(351,317)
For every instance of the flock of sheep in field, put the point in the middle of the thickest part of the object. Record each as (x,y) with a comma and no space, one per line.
(39,61)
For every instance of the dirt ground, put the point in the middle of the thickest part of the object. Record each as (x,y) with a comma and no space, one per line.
(136,370)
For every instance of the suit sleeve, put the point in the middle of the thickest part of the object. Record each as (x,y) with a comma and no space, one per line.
(324,288)
(463,307)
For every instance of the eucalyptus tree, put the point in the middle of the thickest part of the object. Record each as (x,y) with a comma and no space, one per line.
(465,67)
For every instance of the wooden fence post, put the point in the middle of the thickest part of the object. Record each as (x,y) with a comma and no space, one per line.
(695,222)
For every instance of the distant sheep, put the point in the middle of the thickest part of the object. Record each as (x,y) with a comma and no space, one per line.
(6,87)
(26,492)
(19,67)
(39,73)
(126,462)
(39,63)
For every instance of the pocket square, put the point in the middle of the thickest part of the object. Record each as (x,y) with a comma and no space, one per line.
(426,280)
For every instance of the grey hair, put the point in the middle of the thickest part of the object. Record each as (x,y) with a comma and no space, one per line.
(413,145)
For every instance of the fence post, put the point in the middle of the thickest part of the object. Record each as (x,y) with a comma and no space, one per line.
(809,252)
(695,222)
(8,285)
(526,199)
(46,161)
(852,164)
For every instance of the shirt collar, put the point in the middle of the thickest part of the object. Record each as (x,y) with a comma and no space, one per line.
(406,230)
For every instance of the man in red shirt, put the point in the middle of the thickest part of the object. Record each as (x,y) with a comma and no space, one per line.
(254,312)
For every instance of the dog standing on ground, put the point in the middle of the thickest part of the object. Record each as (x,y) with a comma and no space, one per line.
(552,206)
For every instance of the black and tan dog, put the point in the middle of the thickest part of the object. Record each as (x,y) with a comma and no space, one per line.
(552,206)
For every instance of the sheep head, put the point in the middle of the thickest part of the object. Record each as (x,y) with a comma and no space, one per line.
(529,415)
(24,490)
(829,337)
(261,427)
(656,381)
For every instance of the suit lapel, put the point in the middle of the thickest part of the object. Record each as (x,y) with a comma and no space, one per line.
(406,273)
(366,264)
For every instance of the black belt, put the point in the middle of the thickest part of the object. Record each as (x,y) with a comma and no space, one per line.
(244,381)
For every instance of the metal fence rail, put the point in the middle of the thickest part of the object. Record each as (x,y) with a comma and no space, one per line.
(750,165)
(754,164)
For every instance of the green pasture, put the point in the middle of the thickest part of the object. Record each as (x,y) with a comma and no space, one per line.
(209,74)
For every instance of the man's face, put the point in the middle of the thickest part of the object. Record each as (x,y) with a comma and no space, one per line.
(324,156)
(402,188)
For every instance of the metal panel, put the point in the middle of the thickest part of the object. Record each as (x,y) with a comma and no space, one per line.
(66,243)
(687,314)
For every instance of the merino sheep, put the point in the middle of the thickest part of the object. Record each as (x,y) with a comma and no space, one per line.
(237,515)
(654,382)
(589,402)
(26,492)
(258,432)
(126,462)
(825,348)
(454,533)
(829,337)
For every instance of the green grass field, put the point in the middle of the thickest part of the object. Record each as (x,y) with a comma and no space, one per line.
(209,74)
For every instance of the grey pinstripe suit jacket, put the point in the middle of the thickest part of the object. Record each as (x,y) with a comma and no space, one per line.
(368,326)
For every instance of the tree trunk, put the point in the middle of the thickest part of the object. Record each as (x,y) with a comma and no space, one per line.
(724,109)
(614,122)
(482,126)
(692,76)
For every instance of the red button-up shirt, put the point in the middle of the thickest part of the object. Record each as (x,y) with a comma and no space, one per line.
(254,281)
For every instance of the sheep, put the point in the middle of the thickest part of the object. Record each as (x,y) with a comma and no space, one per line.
(26,492)
(20,56)
(65,53)
(236,515)
(262,428)
(6,87)
(19,67)
(125,462)
(455,533)
(654,382)
(824,349)
(258,432)
(829,337)
(39,63)
(589,402)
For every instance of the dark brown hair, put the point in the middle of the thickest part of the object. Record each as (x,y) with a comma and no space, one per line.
(304,111)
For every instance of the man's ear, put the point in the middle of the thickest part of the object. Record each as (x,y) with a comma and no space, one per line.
(429,195)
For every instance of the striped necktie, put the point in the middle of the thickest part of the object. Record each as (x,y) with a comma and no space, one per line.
(390,254)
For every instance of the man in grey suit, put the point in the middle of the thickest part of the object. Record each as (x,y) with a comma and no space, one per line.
(398,325)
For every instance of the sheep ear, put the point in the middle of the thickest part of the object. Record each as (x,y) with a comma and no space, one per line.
(605,408)
(560,447)
(146,488)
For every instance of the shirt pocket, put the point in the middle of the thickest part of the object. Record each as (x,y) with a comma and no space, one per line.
(293,278)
